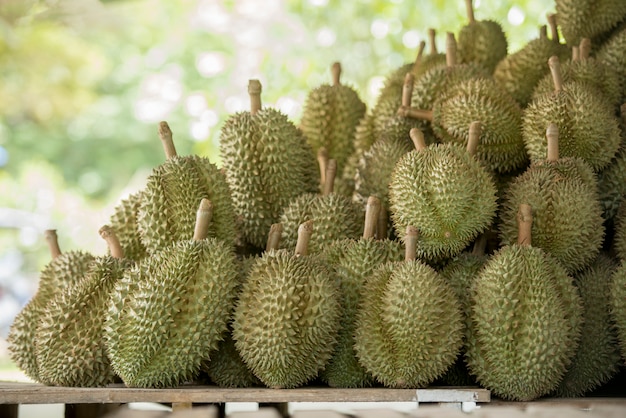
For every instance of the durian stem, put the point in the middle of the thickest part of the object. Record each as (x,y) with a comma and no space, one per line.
(450,50)
(165,133)
(418,60)
(305,231)
(480,244)
(552,135)
(543,32)
(407,89)
(203,220)
(107,233)
(409,112)
(475,131)
(585,48)
(381,228)
(336,73)
(554,31)
(322,161)
(254,90)
(417,136)
(525,225)
(372,208)
(53,242)
(575,53)
(432,41)
(410,243)
(555,70)
(470,11)
(273,238)
(331,173)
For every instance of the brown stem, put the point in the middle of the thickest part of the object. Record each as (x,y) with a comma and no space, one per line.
(475,131)
(585,48)
(372,208)
(418,60)
(331,173)
(407,89)
(254,90)
(381,228)
(108,234)
(525,225)
(555,70)
(554,31)
(543,32)
(552,135)
(336,73)
(575,53)
(305,231)
(470,11)
(410,243)
(273,238)
(53,242)
(480,244)
(417,136)
(409,112)
(165,133)
(203,220)
(432,40)
(322,161)
(450,50)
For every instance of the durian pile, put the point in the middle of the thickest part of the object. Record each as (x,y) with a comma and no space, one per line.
(468,229)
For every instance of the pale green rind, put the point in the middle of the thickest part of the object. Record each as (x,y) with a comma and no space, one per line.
(123,221)
(482,42)
(226,367)
(588,18)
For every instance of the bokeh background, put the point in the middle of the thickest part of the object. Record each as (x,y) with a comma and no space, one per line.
(84,83)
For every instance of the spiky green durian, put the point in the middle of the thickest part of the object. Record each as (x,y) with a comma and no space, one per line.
(168,313)
(597,359)
(567,216)
(611,54)
(70,335)
(227,369)
(409,328)
(267,163)
(526,319)
(612,179)
(619,237)
(124,224)
(287,316)
(59,274)
(169,200)
(481,41)
(617,300)
(587,19)
(330,115)
(446,191)
(519,73)
(587,126)
(354,261)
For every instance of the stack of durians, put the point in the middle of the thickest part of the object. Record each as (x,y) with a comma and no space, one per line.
(467,229)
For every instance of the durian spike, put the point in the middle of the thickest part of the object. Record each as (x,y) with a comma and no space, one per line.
(407,89)
(575,53)
(381,228)
(622,112)
(555,70)
(203,220)
(410,243)
(322,161)
(331,173)
(475,131)
(480,245)
(470,11)
(335,70)
(554,31)
(450,50)
(305,230)
(525,225)
(372,209)
(53,242)
(254,90)
(585,48)
(165,133)
(543,32)
(552,135)
(107,233)
(417,136)
(273,238)
(432,40)
(418,60)
(409,112)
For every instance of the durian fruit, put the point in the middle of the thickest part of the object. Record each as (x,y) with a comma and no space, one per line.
(169,200)
(167,314)
(433,59)
(617,301)
(330,115)
(287,316)
(526,320)
(598,358)
(354,261)
(59,274)
(588,19)
(409,328)
(446,191)
(268,163)
(587,126)
(612,179)
(123,221)
(611,54)
(481,41)
(70,335)
(619,238)
(567,216)
(519,73)
(334,216)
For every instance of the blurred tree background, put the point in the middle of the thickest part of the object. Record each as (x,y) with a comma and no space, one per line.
(84,83)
